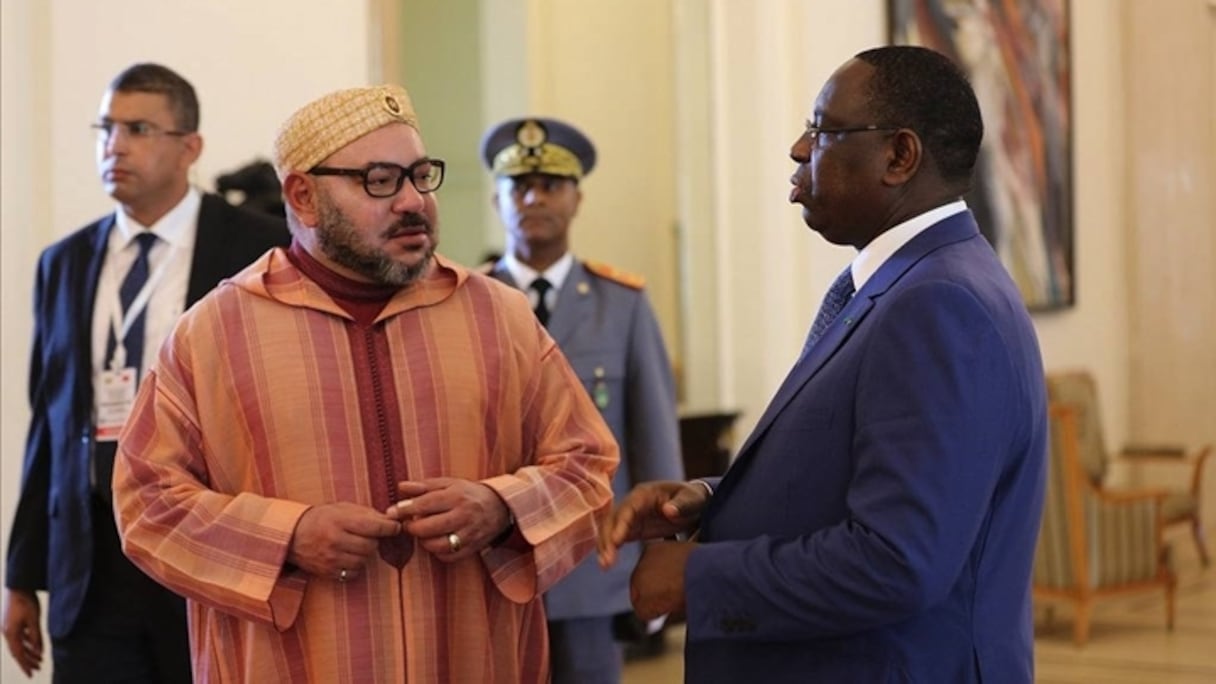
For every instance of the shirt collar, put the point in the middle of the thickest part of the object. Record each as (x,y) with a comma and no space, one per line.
(524,274)
(874,255)
(174,227)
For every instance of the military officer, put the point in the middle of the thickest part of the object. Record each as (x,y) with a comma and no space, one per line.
(603,322)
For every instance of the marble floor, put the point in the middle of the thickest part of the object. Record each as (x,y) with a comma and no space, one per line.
(1128,644)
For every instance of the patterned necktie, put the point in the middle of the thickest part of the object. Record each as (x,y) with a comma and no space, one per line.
(136,278)
(833,302)
(128,290)
(542,287)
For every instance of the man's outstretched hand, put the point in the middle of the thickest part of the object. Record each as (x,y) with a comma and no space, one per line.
(653,510)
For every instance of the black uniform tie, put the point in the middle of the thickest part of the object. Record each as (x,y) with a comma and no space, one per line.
(542,287)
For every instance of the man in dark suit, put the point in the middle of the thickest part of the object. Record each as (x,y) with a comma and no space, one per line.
(105,297)
(602,321)
(879,524)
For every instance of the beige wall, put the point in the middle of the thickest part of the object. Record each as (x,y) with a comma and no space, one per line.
(1093,334)
(1171,136)
(251,63)
(440,64)
(1171,221)
(24,208)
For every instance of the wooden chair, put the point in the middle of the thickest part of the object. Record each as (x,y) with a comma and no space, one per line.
(1077,389)
(1094,543)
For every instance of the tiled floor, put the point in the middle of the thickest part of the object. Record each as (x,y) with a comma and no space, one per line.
(1128,640)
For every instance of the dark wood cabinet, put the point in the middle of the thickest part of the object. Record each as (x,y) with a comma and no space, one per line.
(707,442)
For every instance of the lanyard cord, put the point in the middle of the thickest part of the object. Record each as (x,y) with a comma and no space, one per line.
(120,322)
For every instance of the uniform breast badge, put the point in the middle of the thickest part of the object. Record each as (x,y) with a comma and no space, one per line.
(599,392)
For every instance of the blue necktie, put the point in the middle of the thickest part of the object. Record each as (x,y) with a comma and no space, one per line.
(128,290)
(839,294)
(135,280)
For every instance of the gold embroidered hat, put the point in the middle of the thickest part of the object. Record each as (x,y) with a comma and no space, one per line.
(326,125)
(537,145)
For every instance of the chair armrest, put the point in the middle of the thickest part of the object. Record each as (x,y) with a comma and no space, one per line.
(1130,496)
(1173,455)
(1155,451)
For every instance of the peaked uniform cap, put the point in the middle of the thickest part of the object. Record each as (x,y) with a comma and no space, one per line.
(537,145)
(331,122)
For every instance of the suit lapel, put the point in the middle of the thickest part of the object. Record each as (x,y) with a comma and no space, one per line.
(98,246)
(83,276)
(209,263)
(806,366)
(950,230)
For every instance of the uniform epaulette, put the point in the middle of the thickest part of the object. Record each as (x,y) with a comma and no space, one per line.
(631,280)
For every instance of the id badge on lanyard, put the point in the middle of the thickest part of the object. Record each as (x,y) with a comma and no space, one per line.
(114,393)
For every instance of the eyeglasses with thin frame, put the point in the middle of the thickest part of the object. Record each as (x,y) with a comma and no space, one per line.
(384,179)
(136,130)
(815,131)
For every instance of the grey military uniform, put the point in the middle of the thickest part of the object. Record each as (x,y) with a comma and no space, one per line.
(610,335)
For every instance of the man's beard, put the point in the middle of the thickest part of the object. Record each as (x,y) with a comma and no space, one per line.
(338,239)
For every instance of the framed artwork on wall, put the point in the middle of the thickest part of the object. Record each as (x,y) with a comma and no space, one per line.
(1016,54)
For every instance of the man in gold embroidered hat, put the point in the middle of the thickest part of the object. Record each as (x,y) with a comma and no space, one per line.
(387,242)
(357,460)
(602,320)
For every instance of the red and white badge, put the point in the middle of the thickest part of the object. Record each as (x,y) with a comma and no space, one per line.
(115,390)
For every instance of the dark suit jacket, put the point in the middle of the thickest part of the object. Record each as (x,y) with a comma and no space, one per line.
(51,541)
(880,522)
(609,334)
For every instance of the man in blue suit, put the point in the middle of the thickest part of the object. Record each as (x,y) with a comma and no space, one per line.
(107,620)
(603,323)
(879,524)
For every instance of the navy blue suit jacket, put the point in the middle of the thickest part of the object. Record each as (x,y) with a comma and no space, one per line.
(879,524)
(51,541)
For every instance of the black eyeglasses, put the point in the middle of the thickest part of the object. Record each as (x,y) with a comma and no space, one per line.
(382,179)
(815,131)
(137,130)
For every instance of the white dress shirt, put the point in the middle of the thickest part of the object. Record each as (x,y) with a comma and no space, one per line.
(555,274)
(874,255)
(173,252)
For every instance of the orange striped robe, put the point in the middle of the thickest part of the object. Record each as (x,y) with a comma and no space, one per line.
(250,416)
